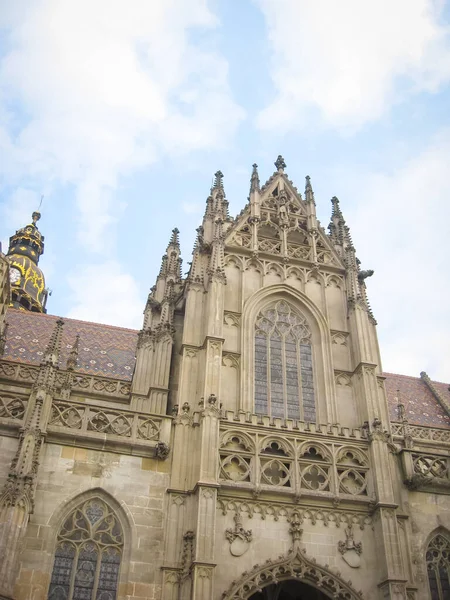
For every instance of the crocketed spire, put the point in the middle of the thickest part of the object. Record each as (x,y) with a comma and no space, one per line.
(254,181)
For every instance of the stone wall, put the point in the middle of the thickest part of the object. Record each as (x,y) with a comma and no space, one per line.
(133,486)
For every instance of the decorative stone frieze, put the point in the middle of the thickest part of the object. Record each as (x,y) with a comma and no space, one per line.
(277,511)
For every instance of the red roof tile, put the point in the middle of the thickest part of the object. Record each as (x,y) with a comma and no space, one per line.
(103,350)
(421,406)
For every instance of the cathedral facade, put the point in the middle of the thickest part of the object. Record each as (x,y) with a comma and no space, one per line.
(244,444)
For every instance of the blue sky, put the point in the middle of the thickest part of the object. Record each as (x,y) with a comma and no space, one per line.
(120,113)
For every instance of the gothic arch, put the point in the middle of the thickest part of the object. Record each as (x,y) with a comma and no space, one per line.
(63,511)
(321,345)
(436,554)
(295,565)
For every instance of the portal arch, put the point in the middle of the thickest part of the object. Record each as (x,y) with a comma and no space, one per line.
(294,566)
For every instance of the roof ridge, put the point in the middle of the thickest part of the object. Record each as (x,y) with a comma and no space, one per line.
(413,377)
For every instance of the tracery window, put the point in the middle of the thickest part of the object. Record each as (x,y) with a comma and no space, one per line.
(88,554)
(438,565)
(284,381)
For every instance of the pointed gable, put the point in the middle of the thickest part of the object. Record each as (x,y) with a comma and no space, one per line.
(277,221)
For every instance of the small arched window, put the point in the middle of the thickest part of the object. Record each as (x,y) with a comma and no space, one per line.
(438,565)
(88,554)
(284,380)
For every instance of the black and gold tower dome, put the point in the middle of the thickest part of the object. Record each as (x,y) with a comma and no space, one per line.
(28,291)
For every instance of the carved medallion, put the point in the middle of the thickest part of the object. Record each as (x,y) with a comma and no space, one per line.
(351,550)
(238,537)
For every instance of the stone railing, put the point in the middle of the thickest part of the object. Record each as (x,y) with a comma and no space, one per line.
(300,252)
(417,432)
(93,426)
(86,384)
(96,385)
(357,433)
(18,372)
(124,424)
(111,429)
(12,407)
(426,472)
(301,460)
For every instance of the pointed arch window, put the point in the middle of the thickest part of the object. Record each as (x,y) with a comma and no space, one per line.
(284,377)
(88,554)
(438,566)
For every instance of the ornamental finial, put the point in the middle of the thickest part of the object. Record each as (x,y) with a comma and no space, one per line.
(280,164)
(218,179)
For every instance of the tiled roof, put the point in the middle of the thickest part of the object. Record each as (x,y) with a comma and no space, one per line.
(421,406)
(103,350)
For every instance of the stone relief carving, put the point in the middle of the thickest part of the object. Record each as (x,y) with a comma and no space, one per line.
(162,450)
(295,529)
(231,319)
(238,537)
(350,550)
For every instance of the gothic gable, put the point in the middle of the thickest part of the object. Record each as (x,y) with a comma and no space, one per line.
(277,222)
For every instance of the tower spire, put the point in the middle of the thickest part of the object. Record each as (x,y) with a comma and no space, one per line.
(309,194)
(339,232)
(170,270)
(254,181)
(26,246)
(51,354)
(195,275)
(310,209)
(173,257)
(216,269)
(73,355)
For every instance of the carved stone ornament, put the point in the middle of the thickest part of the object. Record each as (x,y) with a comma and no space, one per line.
(294,565)
(377,432)
(350,550)
(238,537)
(162,450)
(296,529)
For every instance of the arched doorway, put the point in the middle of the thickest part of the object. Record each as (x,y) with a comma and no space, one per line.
(293,576)
(289,590)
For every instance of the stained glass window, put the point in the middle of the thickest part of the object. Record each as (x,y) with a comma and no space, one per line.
(88,554)
(284,380)
(438,565)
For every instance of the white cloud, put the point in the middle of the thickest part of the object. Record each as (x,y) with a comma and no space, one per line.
(98,89)
(400,227)
(350,61)
(105,293)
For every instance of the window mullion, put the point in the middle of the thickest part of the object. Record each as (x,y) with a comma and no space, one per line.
(283,374)
(299,377)
(97,573)
(269,377)
(74,572)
